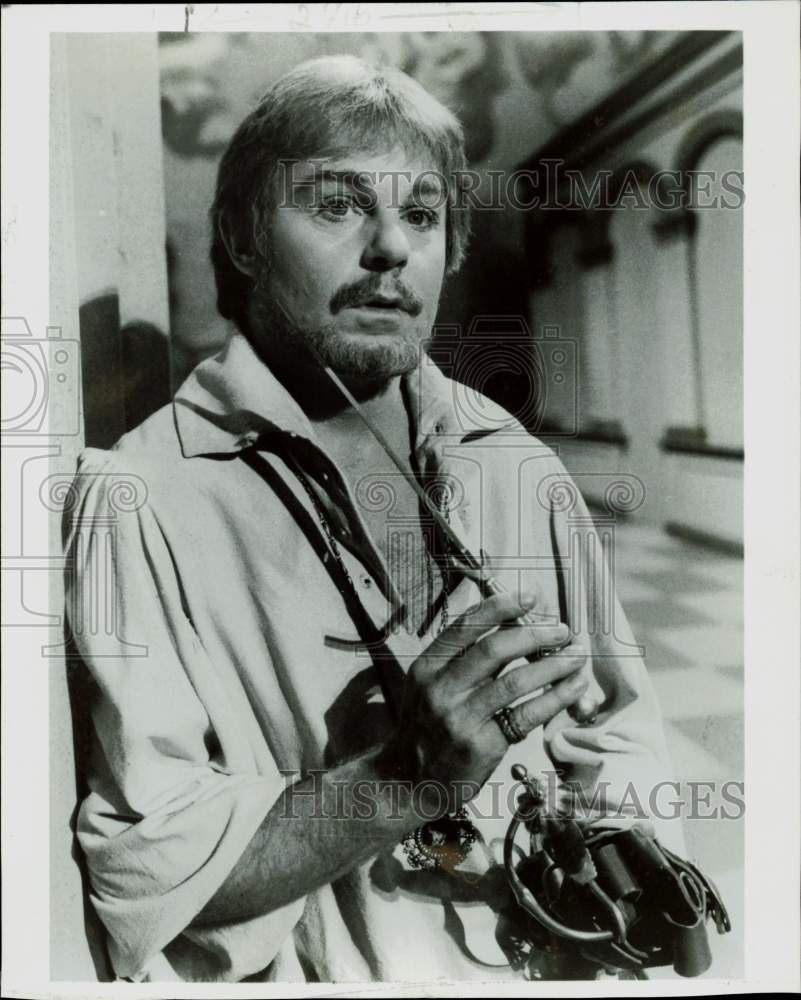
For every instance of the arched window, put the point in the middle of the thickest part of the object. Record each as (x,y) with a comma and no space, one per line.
(710,161)
(717,278)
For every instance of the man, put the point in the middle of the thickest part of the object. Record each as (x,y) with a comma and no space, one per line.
(304,699)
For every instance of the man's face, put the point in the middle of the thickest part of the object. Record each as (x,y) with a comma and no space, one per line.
(355,262)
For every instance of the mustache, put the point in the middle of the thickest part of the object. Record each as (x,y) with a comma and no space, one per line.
(361,292)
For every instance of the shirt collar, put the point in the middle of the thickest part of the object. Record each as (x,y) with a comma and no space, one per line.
(229,399)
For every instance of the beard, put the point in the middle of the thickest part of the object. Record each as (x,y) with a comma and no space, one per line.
(364,359)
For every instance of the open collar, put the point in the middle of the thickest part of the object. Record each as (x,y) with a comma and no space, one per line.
(232,398)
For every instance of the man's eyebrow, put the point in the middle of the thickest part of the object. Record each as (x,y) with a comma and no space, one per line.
(351,178)
(425,186)
(428,186)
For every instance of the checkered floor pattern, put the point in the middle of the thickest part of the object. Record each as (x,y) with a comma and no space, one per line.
(685,605)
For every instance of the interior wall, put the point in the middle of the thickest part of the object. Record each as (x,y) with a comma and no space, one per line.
(661,378)
(120,230)
(719,277)
(70,950)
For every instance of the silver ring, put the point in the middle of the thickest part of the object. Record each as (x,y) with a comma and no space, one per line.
(510,729)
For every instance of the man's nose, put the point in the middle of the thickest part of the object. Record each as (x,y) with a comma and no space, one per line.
(387,247)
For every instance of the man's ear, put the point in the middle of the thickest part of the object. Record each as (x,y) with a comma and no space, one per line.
(237,245)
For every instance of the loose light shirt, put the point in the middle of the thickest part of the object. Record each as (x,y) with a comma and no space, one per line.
(224,661)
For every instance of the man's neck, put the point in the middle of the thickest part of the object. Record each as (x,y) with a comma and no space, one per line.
(346,434)
(336,423)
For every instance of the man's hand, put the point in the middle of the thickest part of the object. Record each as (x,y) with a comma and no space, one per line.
(447,733)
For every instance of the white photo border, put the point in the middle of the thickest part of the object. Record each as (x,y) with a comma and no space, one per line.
(772,449)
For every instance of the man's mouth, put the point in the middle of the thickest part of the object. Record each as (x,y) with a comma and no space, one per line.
(370,298)
(384,302)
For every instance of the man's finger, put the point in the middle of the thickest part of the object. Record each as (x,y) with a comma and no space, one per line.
(493,652)
(537,711)
(524,680)
(477,621)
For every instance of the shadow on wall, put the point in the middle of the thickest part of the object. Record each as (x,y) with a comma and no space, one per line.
(479,305)
(125,377)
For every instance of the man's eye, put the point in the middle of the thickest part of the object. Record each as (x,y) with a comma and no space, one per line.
(422,218)
(335,208)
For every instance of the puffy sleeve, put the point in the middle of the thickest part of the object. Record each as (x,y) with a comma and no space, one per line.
(164,821)
(620,764)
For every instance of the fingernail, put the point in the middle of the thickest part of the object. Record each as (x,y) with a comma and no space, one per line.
(527,599)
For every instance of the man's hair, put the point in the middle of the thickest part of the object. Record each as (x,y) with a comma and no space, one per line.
(327,108)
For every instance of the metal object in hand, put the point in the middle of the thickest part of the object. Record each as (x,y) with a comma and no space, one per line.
(604,900)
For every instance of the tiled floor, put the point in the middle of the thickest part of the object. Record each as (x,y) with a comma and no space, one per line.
(684,603)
